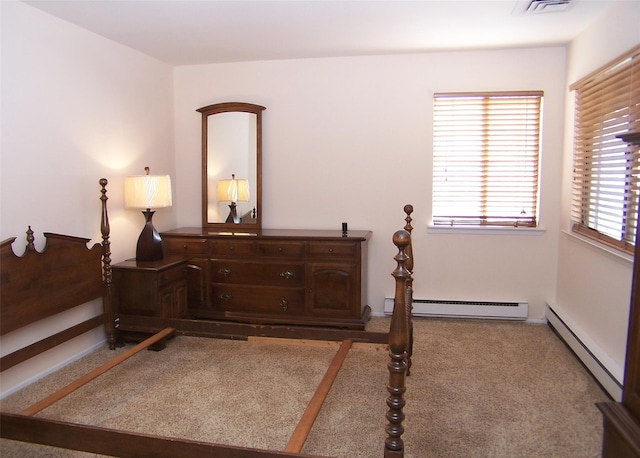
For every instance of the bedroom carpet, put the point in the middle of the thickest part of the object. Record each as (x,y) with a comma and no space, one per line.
(477,389)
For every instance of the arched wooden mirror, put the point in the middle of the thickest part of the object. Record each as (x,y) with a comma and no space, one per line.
(232,166)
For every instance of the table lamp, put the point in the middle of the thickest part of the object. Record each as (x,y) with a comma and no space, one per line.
(147,192)
(233,191)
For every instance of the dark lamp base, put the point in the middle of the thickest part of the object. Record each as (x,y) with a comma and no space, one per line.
(149,243)
(233,214)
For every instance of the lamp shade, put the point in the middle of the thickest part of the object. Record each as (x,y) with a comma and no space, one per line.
(147,191)
(233,190)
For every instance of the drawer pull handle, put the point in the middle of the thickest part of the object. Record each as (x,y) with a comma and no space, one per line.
(224,272)
(184,246)
(226,297)
(330,250)
(280,249)
(283,303)
(232,248)
(287,274)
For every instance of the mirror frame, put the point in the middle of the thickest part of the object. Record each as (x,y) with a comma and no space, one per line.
(226,107)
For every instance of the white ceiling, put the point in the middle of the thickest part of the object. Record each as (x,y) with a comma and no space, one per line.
(183,32)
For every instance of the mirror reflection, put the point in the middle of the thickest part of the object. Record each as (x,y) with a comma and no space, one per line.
(231,165)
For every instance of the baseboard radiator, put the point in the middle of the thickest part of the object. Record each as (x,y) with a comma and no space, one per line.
(587,354)
(465,309)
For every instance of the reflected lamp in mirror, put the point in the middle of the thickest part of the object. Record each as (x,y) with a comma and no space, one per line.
(233,191)
(148,192)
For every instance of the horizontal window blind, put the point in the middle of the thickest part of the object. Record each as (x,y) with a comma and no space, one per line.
(605,168)
(485,158)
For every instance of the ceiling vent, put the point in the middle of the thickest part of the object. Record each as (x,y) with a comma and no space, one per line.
(542,6)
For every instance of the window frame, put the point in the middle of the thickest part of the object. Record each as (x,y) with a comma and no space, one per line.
(503,113)
(606,106)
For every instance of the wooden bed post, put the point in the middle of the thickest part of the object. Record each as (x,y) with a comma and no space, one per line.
(106,267)
(398,339)
(408,209)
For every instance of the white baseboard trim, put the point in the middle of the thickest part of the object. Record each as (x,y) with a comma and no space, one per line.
(605,376)
(52,369)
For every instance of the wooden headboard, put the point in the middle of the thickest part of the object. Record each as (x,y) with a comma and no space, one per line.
(37,285)
(73,275)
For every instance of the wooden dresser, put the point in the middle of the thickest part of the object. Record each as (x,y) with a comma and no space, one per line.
(273,276)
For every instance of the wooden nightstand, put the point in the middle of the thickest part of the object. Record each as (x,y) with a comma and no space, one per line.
(151,288)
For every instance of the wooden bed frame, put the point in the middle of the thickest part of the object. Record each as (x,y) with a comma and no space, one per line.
(66,274)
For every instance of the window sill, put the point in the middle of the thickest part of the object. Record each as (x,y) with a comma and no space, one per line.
(495,230)
(600,246)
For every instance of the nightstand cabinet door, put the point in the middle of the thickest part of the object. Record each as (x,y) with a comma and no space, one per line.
(173,300)
(197,274)
(196,249)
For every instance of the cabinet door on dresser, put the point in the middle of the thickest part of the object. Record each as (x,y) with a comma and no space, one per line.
(334,279)
(332,289)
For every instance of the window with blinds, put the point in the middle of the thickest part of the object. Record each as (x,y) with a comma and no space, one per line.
(485,158)
(605,168)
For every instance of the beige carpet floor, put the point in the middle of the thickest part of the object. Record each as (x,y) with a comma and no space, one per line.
(477,389)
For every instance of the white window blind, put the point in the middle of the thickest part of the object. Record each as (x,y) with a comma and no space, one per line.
(606,169)
(485,158)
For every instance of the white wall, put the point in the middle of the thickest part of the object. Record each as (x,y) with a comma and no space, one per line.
(75,108)
(594,285)
(350,139)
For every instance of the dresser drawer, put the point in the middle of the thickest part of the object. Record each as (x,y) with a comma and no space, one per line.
(258,299)
(232,247)
(257,273)
(185,246)
(332,249)
(166,277)
(281,248)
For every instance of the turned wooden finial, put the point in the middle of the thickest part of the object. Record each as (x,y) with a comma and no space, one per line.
(398,330)
(107,275)
(30,240)
(104,221)
(401,239)
(408,209)
(398,337)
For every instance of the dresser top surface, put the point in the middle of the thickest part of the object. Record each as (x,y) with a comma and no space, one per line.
(271,233)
